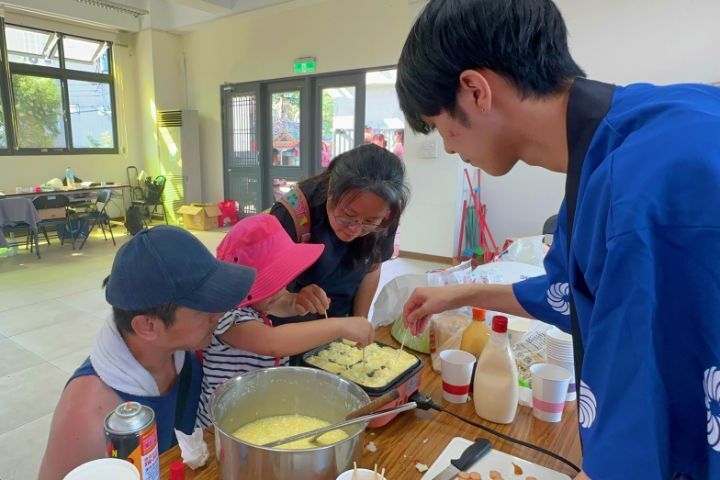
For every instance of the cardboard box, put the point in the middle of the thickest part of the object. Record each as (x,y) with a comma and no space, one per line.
(51,213)
(200,216)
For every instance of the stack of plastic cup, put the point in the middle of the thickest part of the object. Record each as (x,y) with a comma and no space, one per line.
(559,351)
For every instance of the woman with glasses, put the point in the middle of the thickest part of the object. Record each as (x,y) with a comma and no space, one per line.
(354,209)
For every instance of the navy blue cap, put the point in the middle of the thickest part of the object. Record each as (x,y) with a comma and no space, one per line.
(166,264)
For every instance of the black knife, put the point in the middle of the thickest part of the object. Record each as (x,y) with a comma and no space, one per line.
(469,457)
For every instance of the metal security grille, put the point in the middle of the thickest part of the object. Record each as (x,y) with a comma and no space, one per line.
(243,121)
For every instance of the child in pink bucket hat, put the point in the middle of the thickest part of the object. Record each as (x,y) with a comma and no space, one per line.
(245,339)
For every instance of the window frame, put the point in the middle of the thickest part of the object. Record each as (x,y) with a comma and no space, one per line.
(7,69)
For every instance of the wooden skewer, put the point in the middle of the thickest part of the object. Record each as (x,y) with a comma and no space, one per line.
(375,472)
(402,344)
(382,474)
(326,315)
(354,477)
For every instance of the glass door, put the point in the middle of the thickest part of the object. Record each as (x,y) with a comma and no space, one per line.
(286,157)
(339,116)
(243,173)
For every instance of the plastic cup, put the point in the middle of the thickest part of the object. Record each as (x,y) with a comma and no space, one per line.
(570,367)
(113,468)
(362,474)
(456,369)
(549,389)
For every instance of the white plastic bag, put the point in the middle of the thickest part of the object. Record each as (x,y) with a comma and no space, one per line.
(391,300)
(446,331)
(530,250)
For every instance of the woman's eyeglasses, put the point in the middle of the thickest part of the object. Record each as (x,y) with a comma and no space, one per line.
(365,227)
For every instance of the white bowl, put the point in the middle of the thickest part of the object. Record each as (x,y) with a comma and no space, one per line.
(362,474)
(555,335)
(109,468)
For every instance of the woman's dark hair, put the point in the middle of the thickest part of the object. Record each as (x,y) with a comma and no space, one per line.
(373,169)
(524,41)
(123,318)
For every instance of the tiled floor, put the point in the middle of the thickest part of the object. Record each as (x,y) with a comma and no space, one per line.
(50,311)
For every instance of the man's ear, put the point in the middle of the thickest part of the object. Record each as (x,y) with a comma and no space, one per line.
(473,82)
(146,327)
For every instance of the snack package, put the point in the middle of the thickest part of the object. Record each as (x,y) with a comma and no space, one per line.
(446,330)
(529,351)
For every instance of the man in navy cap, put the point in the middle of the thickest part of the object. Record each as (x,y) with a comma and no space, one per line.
(167,293)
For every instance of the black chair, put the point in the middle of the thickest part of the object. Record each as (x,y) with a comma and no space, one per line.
(152,197)
(98,215)
(550,225)
(60,223)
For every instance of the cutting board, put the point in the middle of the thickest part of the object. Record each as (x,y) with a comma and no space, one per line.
(495,460)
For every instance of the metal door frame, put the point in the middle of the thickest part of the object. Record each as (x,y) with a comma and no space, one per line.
(310,115)
(265,119)
(356,80)
(227,92)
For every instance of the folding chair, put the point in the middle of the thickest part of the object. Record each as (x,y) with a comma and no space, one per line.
(133,179)
(60,224)
(98,215)
(17,215)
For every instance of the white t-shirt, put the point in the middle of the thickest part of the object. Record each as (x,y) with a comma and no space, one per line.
(223,362)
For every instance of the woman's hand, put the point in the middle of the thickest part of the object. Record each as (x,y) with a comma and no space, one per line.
(310,299)
(358,329)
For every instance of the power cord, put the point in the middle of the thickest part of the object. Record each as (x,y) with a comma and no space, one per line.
(424,402)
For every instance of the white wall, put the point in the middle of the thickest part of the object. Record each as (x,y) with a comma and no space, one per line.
(657,41)
(261,45)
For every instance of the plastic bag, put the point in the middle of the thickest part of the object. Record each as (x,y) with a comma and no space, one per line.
(446,331)
(530,250)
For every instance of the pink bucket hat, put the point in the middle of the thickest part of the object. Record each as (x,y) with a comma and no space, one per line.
(262,243)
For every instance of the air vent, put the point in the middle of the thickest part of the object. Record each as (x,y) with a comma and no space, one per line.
(170,118)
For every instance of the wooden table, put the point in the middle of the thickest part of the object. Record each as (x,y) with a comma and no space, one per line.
(422,435)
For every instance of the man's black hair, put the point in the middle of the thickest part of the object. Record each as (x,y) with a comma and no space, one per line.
(524,41)
(123,318)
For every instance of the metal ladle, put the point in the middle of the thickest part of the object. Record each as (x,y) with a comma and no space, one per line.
(319,431)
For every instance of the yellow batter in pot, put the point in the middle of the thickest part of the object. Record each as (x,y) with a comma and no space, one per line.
(270,429)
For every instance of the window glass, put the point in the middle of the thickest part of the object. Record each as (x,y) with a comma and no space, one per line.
(38,106)
(90,114)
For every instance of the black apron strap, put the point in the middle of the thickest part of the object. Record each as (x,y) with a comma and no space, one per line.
(183,393)
(588,104)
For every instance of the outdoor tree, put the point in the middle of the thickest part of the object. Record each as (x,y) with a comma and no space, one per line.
(38,108)
(328,113)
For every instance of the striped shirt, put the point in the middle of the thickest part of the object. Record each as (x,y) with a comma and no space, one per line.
(222,362)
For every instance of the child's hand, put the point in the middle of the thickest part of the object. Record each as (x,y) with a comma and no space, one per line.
(359,330)
(311,299)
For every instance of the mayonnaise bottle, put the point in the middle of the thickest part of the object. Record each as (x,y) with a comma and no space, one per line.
(496,391)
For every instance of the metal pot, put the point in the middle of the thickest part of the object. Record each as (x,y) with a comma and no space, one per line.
(285,391)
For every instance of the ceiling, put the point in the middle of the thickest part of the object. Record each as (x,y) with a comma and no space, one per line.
(135,15)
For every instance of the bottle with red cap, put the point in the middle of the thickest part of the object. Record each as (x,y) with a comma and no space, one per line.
(495,391)
(177,470)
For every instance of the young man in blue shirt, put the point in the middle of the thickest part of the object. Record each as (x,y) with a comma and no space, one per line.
(634,279)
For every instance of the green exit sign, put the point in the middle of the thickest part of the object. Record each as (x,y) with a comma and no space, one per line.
(304,65)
